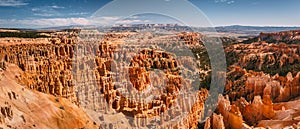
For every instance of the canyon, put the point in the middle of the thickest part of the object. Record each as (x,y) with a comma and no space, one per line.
(88,79)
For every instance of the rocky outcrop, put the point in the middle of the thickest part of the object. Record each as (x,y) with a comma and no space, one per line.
(139,76)
(122,81)
(18,41)
(263,75)
(196,112)
(47,67)
(231,114)
(284,36)
(141,83)
(214,122)
(269,58)
(247,84)
(268,110)
(190,38)
(254,111)
(257,95)
(286,114)
(24,108)
(6,112)
(257,113)
(113,77)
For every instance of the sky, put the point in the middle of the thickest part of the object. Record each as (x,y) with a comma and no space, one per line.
(53,13)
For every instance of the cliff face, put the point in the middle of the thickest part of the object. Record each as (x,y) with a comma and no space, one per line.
(258,113)
(262,77)
(248,84)
(24,108)
(139,81)
(122,81)
(47,66)
(288,37)
(285,36)
(269,58)
(112,77)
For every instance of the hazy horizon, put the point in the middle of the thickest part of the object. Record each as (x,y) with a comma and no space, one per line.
(40,28)
(54,13)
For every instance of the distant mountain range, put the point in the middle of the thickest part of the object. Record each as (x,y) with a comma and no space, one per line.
(253,29)
(250,30)
(238,29)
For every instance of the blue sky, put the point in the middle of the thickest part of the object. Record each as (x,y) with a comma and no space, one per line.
(50,13)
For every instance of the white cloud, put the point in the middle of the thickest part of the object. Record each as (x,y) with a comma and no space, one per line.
(134,17)
(225,1)
(56,7)
(78,13)
(230,2)
(40,23)
(12,3)
(47,11)
(55,22)
(132,21)
(44,14)
(107,18)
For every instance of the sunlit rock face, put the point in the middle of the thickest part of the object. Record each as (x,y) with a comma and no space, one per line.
(271,58)
(257,93)
(47,65)
(232,116)
(249,84)
(257,113)
(285,36)
(263,80)
(111,83)
(21,107)
(214,122)
(151,86)
(148,84)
